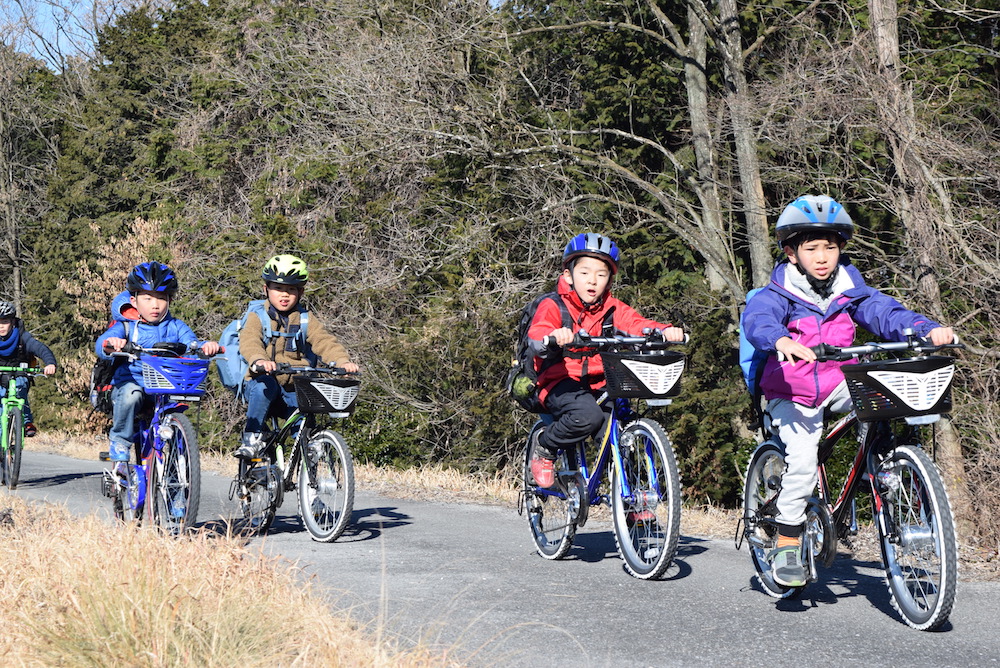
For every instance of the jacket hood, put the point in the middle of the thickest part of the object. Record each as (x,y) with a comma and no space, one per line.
(122,309)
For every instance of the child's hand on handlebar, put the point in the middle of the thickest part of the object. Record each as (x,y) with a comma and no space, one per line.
(263,366)
(562,336)
(792,350)
(114,343)
(350,367)
(49,369)
(941,336)
(673,334)
(210,347)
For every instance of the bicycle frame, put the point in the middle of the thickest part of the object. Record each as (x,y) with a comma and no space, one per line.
(11,400)
(608,450)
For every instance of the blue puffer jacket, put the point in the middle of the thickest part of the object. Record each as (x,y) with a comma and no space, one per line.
(782,309)
(145,334)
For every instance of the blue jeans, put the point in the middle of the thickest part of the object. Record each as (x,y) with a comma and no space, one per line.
(126,399)
(261,393)
(22,385)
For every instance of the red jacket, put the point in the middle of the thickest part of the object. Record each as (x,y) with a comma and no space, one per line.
(589,368)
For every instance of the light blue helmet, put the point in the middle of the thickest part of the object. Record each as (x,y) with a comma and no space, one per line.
(813,213)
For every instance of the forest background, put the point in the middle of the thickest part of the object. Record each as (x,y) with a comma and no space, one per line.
(430,158)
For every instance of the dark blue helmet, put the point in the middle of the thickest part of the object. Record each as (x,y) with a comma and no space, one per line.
(7,310)
(591,244)
(152,276)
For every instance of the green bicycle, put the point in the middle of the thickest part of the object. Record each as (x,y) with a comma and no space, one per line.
(12,423)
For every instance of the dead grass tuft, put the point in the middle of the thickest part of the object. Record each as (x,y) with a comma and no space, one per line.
(83,592)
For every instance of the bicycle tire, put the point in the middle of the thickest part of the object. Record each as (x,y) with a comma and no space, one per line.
(765,470)
(647,527)
(125,501)
(551,518)
(175,488)
(326,487)
(15,447)
(920,558)
(259,490)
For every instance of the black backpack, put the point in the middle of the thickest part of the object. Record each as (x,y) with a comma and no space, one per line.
(522,376)
(101,377)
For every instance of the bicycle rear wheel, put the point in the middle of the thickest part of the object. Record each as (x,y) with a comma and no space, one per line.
(175,488)
(647,523)
(326,486)
(259,493)
(917,535)
(760,492)
(551,517)
(12,457)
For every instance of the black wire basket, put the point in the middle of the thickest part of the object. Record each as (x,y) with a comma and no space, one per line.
(323,394)
(887,389)
(647,375)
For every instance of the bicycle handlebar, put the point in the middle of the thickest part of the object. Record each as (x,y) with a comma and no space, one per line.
(162,349)
(651,339)
(286,368)
(827,353)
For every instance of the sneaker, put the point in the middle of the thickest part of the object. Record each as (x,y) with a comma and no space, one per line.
(118,452)
(249,445)
(543,469)
(29,429)
(786,566)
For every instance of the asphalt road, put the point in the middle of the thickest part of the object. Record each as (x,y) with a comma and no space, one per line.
(466,577)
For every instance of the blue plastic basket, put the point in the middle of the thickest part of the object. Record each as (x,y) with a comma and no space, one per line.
(173,375)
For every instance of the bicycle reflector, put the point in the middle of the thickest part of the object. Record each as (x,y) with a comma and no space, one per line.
(651,375)
(908,388)
(335,396)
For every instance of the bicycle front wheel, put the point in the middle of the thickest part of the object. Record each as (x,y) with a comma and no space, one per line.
(760,493)
(551,515)
(175,487)
(12,458)
(917,535)
(125,502)
(646,500)
(326,486)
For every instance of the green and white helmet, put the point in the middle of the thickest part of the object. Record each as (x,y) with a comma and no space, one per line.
(285,269)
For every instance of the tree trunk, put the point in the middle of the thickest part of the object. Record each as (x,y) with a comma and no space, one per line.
(912,195)
(738,98)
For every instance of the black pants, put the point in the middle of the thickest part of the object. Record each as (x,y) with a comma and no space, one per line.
(575,413)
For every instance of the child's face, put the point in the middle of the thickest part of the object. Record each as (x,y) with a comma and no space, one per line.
(152,306)
(818,257)
(6,325)
(589,278)
(283,297)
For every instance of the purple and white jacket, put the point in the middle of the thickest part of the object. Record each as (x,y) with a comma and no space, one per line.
(783,308)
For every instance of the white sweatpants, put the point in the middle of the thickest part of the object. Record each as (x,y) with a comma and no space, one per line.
(799,428)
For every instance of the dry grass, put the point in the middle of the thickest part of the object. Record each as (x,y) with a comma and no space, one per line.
(84,592)
(437,483)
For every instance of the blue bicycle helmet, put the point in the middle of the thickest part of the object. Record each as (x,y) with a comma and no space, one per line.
(152,276)
(813,213)
(591,244)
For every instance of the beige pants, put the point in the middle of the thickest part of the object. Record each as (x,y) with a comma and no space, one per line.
(799,428)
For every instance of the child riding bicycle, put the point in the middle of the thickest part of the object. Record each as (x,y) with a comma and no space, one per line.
(151,288)
(569,381)
(815,296)
(17,346)
(284,278)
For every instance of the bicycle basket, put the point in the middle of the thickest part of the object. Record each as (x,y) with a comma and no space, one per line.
(887,389)
(649,375)
(173,375)
(323,394)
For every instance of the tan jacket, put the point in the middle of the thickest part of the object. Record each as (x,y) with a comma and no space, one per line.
(321,342)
